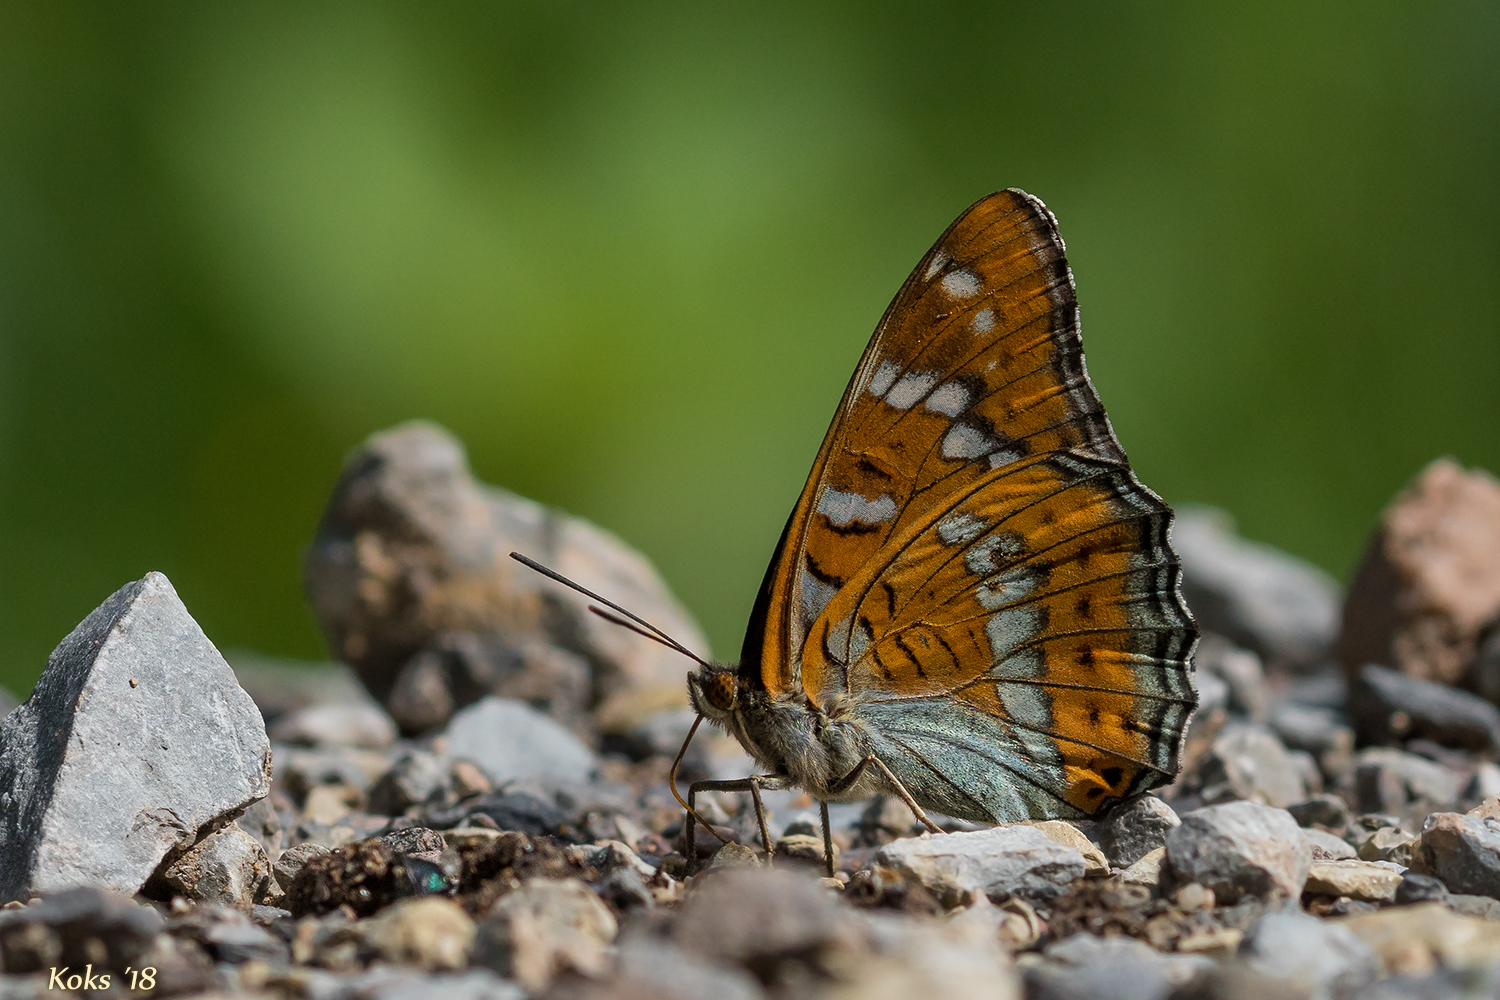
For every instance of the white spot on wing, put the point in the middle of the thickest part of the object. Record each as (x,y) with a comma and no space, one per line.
(949,399)
(963,441)
(989,555)
(938,260)
(1006,588)
(960,529)
(884,376)
(1011,627)
(984,321)
(845,508)
(1030,706)
(1005,456)
(912,387)
(960,284)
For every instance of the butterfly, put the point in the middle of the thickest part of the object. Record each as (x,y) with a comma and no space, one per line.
(974,605)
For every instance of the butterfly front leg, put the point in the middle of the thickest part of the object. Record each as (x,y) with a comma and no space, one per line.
(752,784)
(848,780)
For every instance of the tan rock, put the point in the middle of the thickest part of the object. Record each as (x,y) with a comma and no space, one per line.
(543,928)
(1356,879)
(1430,581)
(1147,870)
(411,580)
(1418,940)
(1068,835)
(429,932)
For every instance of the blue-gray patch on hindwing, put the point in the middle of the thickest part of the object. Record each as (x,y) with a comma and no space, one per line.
(972,760)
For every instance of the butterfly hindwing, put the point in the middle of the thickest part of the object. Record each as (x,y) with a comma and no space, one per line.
(972,565)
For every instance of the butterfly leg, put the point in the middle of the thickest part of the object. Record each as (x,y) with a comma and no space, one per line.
(827,837)
(752,784)
(849,779)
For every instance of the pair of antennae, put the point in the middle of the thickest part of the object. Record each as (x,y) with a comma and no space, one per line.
(640,627)
(636,624)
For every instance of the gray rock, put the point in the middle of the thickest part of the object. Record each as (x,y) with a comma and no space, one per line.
(1326,811)
(1001,862)
(412,556)
(352,724)
(1327,847)
(1418,888)
(1402,784)
(228,866)
(393,982)
(512,741)
(291,861)
(8,701)
(1485,784)
(237,944)
(299,770)
(414,840)
(1387,706)
(417,776)
(1483,907)
(1213,694)
(1085,967)
(136,737)
(1485,671)
(745,915)
(1247,762)
(1241,670)
(1239,849)
(1316,730)
(1283,608)
(1322,957)
(75,927)
(1135,830)
(260,821)
(651,969)
(545,928)
(1463,851)
(901,958)
(1390,844)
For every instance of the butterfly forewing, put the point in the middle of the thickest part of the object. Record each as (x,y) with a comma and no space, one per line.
(972,548)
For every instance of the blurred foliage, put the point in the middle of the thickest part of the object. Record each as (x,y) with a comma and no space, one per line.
(630,254)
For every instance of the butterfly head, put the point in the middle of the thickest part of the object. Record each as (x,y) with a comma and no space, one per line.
(715,691)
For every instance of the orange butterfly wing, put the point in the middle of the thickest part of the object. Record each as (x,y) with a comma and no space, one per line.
(972,567)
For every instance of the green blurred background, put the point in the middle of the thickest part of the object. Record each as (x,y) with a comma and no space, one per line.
(630,254)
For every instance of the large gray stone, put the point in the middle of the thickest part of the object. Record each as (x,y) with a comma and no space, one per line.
(136,738)
(1136,829)
(1319,956)
(1239,849)
(1463,851)
(1247,762)
(1387,705)
(1085,967)
(411,578)
(1002,862)
(1283,608)
(512,741)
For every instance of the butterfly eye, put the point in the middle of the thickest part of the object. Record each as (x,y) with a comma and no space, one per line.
(720,691)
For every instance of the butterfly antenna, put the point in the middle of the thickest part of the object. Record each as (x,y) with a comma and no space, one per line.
(655,634)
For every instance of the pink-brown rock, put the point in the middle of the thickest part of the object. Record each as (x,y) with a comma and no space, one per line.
(1430,582)
(411,579)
